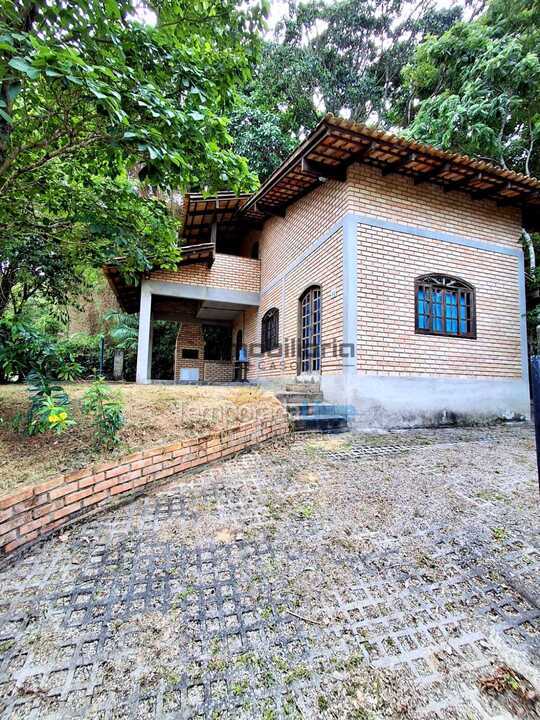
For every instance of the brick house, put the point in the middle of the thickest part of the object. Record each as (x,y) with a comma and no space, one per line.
(390,271)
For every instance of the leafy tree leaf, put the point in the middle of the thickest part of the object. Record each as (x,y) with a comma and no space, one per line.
(22,65)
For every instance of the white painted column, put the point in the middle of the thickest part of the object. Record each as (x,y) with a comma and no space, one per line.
(144,348)
(150,350)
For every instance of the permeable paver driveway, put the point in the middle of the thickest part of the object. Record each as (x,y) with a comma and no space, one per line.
(342,576)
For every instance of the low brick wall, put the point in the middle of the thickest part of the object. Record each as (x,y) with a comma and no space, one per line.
(218,371)
(31,512)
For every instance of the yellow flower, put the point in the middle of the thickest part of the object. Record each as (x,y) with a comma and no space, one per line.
(53,418)
(63,416)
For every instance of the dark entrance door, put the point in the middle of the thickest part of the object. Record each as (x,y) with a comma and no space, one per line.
(310,331)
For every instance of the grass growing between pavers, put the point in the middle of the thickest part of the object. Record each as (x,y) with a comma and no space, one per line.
(285,585)
(154,415)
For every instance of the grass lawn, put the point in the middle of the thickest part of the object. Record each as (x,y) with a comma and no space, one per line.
(154,414)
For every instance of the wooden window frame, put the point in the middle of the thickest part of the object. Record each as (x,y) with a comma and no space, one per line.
(445,284)
(270,330)
(310,355)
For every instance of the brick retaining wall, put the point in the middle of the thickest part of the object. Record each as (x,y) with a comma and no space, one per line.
(30,512)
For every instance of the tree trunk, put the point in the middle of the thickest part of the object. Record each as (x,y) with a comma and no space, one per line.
(7,281)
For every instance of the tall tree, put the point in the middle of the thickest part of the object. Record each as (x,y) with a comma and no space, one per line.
(341,57)
(476,89)
(88,91)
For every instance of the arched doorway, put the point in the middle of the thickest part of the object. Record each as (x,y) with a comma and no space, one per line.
(310,331)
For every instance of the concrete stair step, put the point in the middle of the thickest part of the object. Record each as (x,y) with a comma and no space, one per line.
(312,408)
(320,423)
(296,398)
(303,387)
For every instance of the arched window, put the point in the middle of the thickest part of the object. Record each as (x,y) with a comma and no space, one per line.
(255,251)
(270,330)
(445,306)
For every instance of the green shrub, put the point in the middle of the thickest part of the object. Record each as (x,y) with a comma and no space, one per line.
(105,409)
(49,406)
(69,369)
(24,348)
(82,349)
(51,416)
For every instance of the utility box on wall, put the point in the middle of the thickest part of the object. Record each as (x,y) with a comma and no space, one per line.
(189,374)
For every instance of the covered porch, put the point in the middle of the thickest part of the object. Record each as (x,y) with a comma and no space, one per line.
(211,329)
(215,283)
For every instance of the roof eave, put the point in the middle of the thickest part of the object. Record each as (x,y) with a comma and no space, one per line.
(451,171)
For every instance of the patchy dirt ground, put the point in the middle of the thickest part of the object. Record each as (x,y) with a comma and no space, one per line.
(352,577)
(154,414)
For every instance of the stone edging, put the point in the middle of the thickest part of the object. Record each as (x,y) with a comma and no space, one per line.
(31,512)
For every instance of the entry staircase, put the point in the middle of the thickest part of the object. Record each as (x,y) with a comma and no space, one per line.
(308,411)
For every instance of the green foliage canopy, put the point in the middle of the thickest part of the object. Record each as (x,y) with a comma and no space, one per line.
(476,89)
(343,56)
(89,92)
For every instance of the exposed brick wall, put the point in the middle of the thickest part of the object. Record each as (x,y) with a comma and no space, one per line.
(251,336)
(31,512)
(388,344)
(273,363)
(189,337)
(228,271)
(324,267)
(397,198)
(218,371)
(283,239)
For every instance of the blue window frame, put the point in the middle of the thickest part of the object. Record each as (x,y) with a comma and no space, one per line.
(445,306)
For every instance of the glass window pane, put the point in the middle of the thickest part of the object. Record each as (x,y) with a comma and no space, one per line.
(423,310)
(436,310)
(444,306)
(451,312)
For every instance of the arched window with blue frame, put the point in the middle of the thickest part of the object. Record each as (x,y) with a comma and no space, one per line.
(445,306)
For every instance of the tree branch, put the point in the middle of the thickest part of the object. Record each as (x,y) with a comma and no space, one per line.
(8,161)
(59,152)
